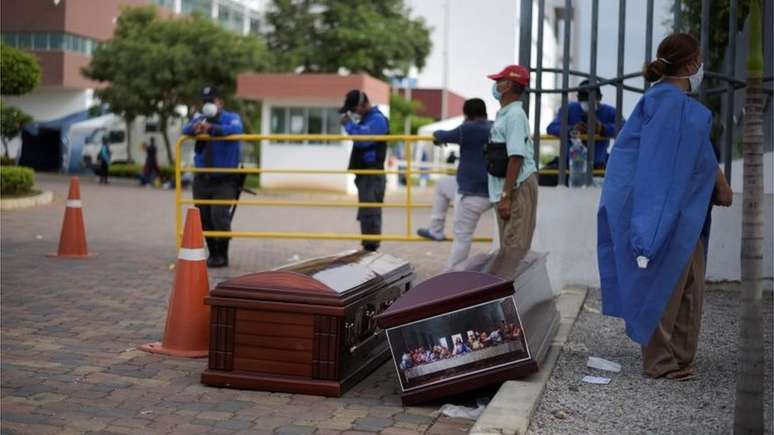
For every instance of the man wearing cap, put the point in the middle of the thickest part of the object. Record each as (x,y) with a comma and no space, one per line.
(361,118)
(577,119)
(215,121)
(514,189)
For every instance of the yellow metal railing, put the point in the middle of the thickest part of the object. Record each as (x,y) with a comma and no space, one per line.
(408,204)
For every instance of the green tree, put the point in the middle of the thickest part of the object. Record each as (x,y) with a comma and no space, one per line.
(164,63)
(400,108)
(378,38)
(11,122)
(749,406)
(20,71)
(20,74)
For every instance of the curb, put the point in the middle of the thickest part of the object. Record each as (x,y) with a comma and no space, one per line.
(511,408)
(42,198)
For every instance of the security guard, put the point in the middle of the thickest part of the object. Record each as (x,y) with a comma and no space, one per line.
(361,118)
(215,121)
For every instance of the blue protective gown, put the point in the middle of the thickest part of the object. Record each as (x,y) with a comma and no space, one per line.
(655,202)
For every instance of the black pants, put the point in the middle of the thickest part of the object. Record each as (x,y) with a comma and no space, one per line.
(215,217)
(370,188)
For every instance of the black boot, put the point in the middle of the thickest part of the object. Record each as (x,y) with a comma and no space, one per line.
(216,258)
(224,251)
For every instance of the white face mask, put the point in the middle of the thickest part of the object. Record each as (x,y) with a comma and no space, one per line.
(694,79)
(209,110)
(353,116)
(584,106)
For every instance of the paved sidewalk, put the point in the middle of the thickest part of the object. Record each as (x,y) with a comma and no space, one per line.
(70,327)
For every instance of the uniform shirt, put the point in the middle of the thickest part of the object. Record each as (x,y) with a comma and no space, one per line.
(367,154)
(471,174)
(225,153)
(575,114)
(511,127)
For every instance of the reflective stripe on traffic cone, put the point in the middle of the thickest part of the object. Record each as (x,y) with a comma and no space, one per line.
(187,330)
(72,241)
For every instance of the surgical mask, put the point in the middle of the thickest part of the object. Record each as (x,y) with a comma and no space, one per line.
(496,93)
(584,106)
(209,110)
(353,116)
(694,79)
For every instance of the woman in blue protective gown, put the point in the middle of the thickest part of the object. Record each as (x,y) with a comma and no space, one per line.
(653,220)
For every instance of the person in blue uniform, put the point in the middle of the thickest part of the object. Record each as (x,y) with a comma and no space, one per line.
(653,218)
(217,153)
(577,119)
(361,118)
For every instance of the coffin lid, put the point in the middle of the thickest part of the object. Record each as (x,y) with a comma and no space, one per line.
(322,280)
(444,293)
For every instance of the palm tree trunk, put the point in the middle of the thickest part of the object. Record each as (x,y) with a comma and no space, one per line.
(748,411)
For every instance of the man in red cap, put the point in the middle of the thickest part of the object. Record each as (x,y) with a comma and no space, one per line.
(511,162)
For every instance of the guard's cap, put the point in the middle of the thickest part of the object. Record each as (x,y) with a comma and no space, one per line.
(354,98)
(514,73)
(209,93)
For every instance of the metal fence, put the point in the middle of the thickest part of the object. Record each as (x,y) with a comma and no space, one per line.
(408,204)
(731,77)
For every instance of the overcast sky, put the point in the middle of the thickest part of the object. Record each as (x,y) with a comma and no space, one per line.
(483,37)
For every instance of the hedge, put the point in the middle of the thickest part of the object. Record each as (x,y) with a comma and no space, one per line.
(125,170)
(16,180)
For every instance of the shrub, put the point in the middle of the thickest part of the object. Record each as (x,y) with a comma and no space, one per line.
(16,180)
(7,161)
(126,170)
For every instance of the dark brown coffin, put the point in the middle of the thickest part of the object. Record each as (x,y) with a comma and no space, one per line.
(489,284)
(304,328)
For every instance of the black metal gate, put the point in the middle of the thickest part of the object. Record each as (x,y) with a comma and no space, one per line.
(733,79)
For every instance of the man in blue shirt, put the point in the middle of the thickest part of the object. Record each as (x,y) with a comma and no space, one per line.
(215,121)
(361,118)
(473,189)
(577,119)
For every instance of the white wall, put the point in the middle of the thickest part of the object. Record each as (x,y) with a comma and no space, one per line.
(567,230)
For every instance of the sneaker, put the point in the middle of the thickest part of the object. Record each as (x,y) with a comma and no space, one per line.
(425,232)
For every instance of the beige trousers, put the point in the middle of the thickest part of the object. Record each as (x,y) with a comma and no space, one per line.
(517,231)
(673,344)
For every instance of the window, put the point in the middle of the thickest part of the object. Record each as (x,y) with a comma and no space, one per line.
(40,41)
(203,7)
(168,4)
(305,120)
(10,38)
(56,41)
(25,40)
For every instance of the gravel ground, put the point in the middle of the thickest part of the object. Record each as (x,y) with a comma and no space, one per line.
(634,404)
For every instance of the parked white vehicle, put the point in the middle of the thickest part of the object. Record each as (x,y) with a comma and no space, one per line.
(92,132)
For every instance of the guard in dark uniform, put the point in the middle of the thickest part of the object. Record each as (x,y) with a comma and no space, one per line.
(215,121)
(361,118)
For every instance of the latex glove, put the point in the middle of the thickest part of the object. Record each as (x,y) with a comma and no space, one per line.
(642,262)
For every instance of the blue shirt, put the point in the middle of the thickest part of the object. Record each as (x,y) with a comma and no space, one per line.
(511,127)
(575,114)
(225,153)
(471,173)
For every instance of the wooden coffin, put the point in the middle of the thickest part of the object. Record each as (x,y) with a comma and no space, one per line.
(304,328)
(463,330)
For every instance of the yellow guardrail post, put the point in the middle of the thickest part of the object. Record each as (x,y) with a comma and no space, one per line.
(409,181)
(178,191)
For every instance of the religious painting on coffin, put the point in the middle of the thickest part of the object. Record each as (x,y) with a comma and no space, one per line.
(458,343)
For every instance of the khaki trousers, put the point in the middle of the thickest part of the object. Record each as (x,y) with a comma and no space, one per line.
(517,231)
(673,344)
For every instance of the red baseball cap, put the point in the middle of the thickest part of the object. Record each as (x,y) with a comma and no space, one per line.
(514,73)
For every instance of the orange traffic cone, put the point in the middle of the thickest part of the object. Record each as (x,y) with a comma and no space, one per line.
(188,318)
(72,242)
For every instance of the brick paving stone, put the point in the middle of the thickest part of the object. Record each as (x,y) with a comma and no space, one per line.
(413,418)
(398,431)
(374,424)
(294,430)
(71,330)
(233,424)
